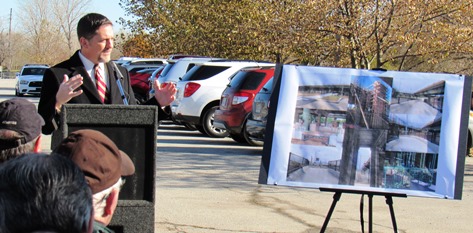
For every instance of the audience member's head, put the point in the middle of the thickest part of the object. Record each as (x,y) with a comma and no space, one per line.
(44,193)
(20,128)
(103,165)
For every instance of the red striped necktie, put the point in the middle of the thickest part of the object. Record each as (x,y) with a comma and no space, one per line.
(100,83)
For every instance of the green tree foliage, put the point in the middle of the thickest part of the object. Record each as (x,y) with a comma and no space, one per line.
(411,35)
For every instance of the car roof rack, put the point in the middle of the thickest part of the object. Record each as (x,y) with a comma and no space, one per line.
(36,65)
(236,60)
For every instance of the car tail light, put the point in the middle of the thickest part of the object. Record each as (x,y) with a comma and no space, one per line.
(240,97)
(190,89)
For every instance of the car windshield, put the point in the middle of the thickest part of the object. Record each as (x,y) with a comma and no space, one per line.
(200,72)
(33,71)
(247,80)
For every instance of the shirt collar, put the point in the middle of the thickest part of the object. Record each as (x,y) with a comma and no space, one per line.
(88,65)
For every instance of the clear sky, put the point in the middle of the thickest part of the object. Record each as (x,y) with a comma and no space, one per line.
(109,8)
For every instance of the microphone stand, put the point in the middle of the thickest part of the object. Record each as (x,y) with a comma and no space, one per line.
(120,87)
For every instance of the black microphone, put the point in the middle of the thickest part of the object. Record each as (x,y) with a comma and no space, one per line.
(120,87)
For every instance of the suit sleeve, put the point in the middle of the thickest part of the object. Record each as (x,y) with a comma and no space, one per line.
(163,114)
(47,102)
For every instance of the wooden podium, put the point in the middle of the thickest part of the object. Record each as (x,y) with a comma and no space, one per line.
(134,130)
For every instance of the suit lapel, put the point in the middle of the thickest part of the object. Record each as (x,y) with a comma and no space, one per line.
(88,86)
(114,93)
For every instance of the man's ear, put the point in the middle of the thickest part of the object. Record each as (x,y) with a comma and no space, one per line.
(83,42)
(112,202)
(37,145)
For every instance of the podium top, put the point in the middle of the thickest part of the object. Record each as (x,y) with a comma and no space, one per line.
(109,114)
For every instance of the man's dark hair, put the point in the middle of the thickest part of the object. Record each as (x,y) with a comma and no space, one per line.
(40,192)
(89,24)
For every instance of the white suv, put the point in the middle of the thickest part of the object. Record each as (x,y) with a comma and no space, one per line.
(30,79)
(199,91)
(175,69)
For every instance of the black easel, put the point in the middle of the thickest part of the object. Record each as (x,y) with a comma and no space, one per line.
(338,194)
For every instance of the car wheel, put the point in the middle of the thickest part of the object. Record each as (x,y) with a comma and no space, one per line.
(248,140)
(17,93)
(238,138)
(210,129)
(200,128)
(190,126)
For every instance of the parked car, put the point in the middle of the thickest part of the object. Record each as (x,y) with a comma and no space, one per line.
(143,63)
(236,102)
(256,123)
(30,79)
(177,66)
(199,91)
(140,82)
(175,69)
(122,60)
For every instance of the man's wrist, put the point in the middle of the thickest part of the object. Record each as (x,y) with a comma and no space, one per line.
(58,108)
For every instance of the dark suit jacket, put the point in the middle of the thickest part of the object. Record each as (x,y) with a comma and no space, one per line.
(53,77)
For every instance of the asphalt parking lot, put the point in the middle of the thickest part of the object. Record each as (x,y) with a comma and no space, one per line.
(210,185)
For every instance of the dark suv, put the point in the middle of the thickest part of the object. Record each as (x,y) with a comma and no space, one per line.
(237,101)
(256,123)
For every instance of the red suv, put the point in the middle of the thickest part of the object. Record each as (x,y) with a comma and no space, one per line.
(236,102)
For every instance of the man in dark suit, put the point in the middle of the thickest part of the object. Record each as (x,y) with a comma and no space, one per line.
(74,81)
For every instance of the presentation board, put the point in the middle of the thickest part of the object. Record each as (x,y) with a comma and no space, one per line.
(367,130)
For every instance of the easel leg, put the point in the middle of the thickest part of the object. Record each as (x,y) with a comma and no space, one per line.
(362,221)
(389,201)
(336,197)
(370,214)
